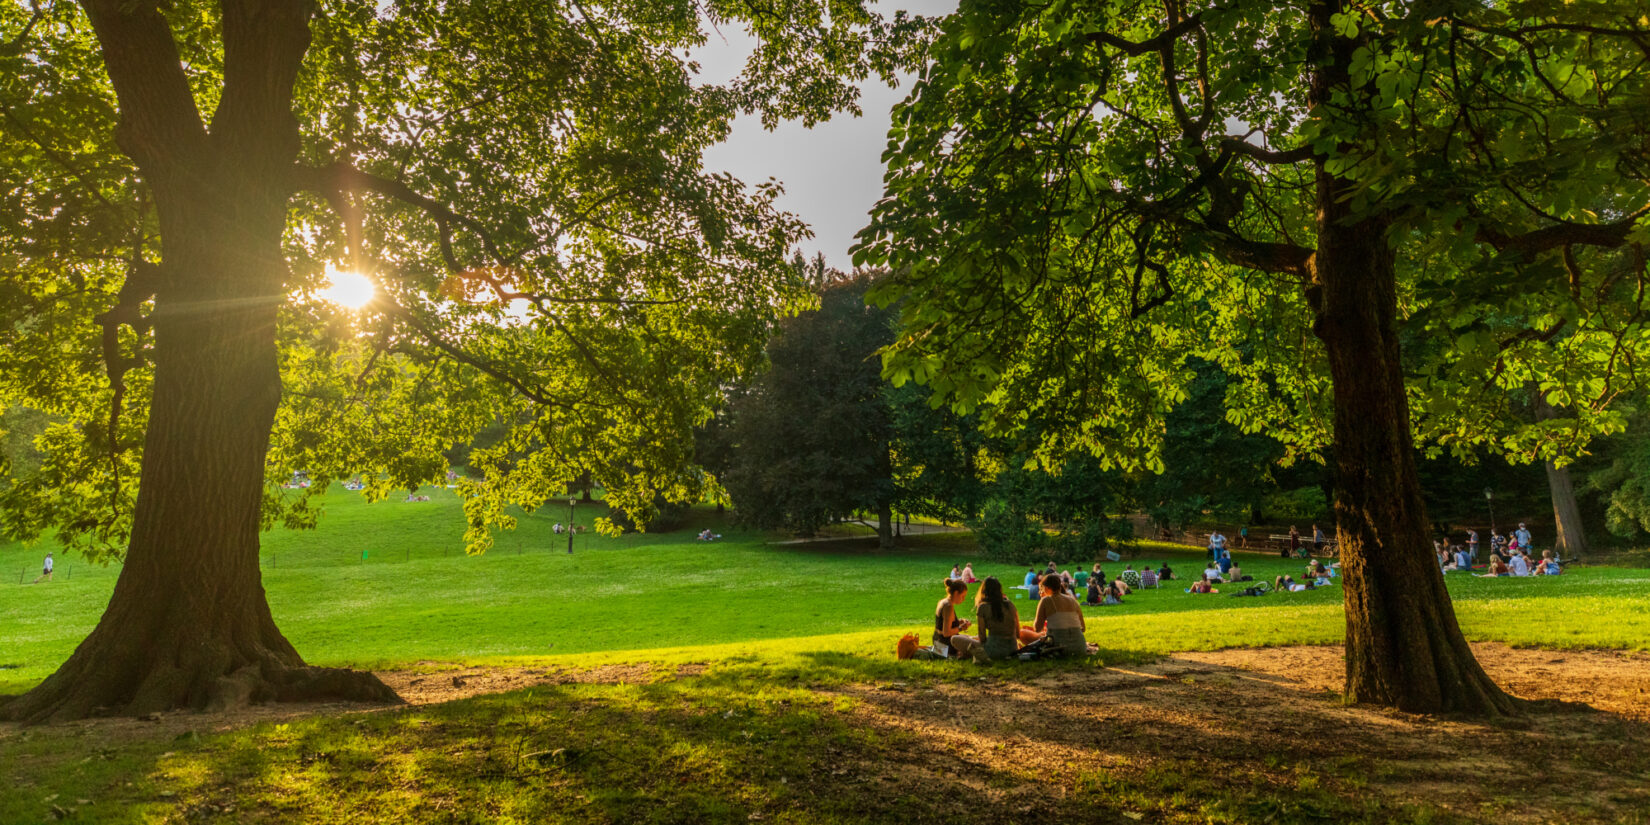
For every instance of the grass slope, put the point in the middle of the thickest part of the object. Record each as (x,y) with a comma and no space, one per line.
(387,584)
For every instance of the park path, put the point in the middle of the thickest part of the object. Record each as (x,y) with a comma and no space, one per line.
(905,530)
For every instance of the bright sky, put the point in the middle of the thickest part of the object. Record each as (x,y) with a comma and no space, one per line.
(833,172)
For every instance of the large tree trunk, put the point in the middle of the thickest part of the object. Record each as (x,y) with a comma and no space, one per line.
(1403,646)
(188,625)
(1569,539)
(885,526)
(1568,536)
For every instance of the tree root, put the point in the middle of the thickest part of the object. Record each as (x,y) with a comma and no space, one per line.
(59,699)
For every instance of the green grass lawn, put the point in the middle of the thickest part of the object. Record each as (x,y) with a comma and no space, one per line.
(780,728)
(387,584)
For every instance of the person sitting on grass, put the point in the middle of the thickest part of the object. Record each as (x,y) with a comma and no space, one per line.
(1080,580)
(1114,592)
(1519,563)
(1316,570)
(1224,563)
(999,623)
(1235,574)
(1148,577)
(1164,573)
(1036,591)
(1548,566)
(948,626)
(968,574)
(1094,596)
(1497,569)
(1061,618)
(1068,582)
(1212,573)
(1031,583)
(1203,585)
(956,572)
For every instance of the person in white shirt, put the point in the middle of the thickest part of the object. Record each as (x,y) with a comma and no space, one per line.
(46,570)
(1519,564)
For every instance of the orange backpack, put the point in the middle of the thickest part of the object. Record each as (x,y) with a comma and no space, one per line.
(907,646)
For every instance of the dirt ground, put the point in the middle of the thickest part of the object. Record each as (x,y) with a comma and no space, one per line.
(1265,719)
(1581,752)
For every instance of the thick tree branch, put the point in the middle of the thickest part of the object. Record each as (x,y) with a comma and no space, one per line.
(1264,155)
(1155,43)
(160,126)
(263,46)
(1528,244)
(342,177)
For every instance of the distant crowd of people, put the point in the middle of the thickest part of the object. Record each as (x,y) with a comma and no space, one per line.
(1508,555)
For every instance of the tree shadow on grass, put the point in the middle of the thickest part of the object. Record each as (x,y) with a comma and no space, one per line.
(843,738)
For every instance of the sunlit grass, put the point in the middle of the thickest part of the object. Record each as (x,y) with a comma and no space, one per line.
(387,585)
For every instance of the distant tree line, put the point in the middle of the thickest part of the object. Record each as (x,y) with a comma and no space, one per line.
(821,437)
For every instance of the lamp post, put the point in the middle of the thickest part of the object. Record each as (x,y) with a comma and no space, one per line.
(570,504)
(1489,496)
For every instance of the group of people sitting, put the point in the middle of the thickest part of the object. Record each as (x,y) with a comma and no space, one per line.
(1508,557)
(560,528)
(1317,575)
(707,535)
(1221,568)
(1099,589)
(1519,563)
(1056,630)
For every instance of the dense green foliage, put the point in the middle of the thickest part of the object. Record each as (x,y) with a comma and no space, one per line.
(813,431)
(521,182)
(1080,197)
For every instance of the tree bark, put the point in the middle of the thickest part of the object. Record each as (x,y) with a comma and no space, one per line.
(1403,645)
(885,525)
(1569,539)
(188,625)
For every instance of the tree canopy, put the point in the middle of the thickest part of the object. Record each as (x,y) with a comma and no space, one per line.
(521,184)
(1391,222)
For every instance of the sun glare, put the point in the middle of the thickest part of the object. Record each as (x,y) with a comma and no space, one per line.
(350,290)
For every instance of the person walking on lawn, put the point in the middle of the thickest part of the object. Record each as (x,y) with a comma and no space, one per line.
(47,570)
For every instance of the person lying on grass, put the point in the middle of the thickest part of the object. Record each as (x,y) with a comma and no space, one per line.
(999,623)
(948,627)
(1202,585)
(1287,584)
(1061,617)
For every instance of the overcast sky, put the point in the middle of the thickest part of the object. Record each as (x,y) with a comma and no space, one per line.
(833,172)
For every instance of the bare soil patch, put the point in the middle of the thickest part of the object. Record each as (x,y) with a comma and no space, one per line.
(1248,717)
